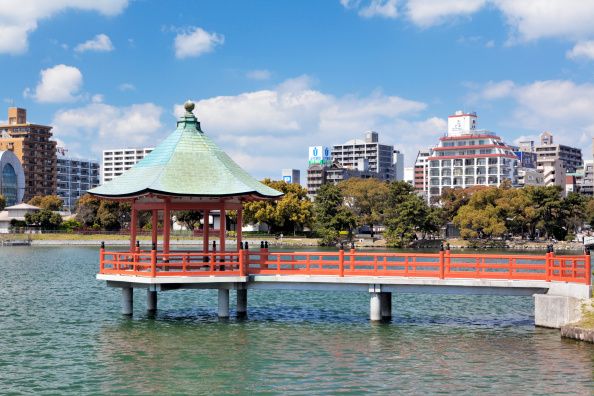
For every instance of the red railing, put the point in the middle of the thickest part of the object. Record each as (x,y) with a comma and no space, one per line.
(442,265)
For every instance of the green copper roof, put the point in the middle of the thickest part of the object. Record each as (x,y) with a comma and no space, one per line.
(186,163)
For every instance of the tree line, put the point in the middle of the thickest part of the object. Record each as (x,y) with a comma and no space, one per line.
(392,208)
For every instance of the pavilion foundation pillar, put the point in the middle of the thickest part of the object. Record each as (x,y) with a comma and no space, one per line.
(151,301)
(223,310)
(241,303)
(386,306)
(375,313)
(127,300)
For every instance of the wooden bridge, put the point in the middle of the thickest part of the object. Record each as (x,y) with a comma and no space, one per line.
(380,273)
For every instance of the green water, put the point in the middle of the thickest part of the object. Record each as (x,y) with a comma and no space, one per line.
(61,333)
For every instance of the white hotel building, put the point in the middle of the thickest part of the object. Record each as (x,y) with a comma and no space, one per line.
(116,161)
(467,157)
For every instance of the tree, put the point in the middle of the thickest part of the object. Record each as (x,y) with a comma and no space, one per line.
(366,198)
(406,214)
(189,218)
(452,199)
(48,202)
(481,217)
(293,211)
(332,216)
(86,210)
(45,219)
(547,203)
(113,215)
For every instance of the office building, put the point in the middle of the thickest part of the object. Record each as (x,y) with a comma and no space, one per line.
(409,175)
(75,177)
(421,172)
(116,161)
(468,157)
(547,152)
(398,165)
(291,176)
(32,145)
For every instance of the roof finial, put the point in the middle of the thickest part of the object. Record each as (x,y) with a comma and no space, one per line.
(189,106)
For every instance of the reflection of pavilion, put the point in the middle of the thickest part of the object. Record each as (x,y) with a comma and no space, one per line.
(187,171)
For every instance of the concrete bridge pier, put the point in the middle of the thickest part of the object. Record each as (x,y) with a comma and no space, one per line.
(223,303)
(127,300)
(375,311)
(241,303)
(386,306)
(151,301)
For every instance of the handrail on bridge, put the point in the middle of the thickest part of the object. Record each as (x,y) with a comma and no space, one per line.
(441,265)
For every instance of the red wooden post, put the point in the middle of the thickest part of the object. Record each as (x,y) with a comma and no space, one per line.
(154,225)
(102,258)
(548,265)
(341,261)
(241,261)
(441,262)
(352,258)
(447,265)
(587,267)
(154,261)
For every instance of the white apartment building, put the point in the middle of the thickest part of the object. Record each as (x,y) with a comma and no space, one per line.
(467,157)
(116,161)
(380,157)
(75,177)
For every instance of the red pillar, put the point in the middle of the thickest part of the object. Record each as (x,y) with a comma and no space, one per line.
(166,226)
(133,226)
(238,227)
(222,229)
(205,241)
(154,225)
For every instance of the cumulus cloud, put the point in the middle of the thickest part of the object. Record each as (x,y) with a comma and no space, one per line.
(19,18)
(99,126)
(196,41)
(99,43)
(126,87)
(427,13)
(373,8)
(270,129)
(261,74)
(583,49)
(560,106)
(58,84)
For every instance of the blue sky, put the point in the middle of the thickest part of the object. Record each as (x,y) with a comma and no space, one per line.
(271,78)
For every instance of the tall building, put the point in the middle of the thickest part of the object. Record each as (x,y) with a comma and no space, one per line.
(12,178)
(467,157)
(291,176)
(421,172)
(380,156)
(398,165)
(116,161)
(409,175)
(75,177)
(570,157)
(32,145)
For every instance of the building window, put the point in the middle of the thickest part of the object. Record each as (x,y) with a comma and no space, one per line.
(9,185)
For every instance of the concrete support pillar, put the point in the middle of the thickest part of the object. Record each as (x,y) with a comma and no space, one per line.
(151,301)
(375,313)
(386,305)
(556,311)
(241,303)
(127,300)
(223,303)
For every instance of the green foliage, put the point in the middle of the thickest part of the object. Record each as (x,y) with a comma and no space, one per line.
(332,216)
(47,202)
(70,225)
(104,214)
(288,214)
(366,198)
(45,219)
(189,218)
(406,214)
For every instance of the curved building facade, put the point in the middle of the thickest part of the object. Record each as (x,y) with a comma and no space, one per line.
(12,178)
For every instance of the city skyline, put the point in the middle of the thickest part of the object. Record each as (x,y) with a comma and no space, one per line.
(115,73)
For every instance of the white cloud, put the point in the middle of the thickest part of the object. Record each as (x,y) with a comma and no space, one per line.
(583,49)
(497,90)
(58,84)
(19,18)
(195,42)
(270,129)
(427,13)
(373,8)
(261,74)
(125,87)
(98,126)
(99,43)
(535,19)
(560,106)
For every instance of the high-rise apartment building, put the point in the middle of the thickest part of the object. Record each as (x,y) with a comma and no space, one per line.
(380,156)
(547,152)
(291,176)
(116,161)
(32,145)
(467,157)
(75,177)
(421,172)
